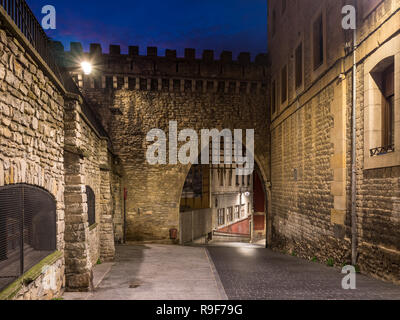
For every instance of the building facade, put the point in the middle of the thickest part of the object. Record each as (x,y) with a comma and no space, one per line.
(73,148)
(232,200)
(311,132)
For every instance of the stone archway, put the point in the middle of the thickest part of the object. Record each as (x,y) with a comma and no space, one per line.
(197,216)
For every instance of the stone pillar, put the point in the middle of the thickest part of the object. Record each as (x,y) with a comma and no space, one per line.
(107,247)
(77,262)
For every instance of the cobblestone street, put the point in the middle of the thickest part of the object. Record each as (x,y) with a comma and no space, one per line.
(255,273)
(236,271)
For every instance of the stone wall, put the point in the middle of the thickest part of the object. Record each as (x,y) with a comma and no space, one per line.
(378,189)
(43,282)
(87,163)
(134,94)
(31,130)
(311,143)
(302,200)
(154,192)
(51,138)
(117,193)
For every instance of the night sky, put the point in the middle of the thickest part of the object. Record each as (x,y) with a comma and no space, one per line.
(234,25)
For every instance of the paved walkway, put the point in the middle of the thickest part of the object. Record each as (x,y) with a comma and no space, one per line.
(250,272)
(157,272)
(221,271)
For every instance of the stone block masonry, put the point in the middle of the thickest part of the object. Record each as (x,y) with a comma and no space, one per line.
(31,133)
(49,137)
(311,134)
(134,94)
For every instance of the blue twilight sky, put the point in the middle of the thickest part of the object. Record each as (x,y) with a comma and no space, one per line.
(234,25)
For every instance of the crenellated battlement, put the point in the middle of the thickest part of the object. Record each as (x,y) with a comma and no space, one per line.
(153,72)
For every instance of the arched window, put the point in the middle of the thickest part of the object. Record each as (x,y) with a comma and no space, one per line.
(91,203)
(27,229)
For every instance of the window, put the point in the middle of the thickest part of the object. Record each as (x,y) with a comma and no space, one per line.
(120,82)
(91,204)
(273,97)
(143,84)
(221,87)
(381,103)
(97,82)
(165,84)
(154,84)
(248,208)
(243,210)
(27,229)
(318,42)
(284,84)
(177,85)
(199,86)
(230,177)
(237,213)
(237,180)
(299,65)
(221,217)
(383,80)
(388,107)
(230,214)
(131,83)
(248,180)
(109,82)
(221,177)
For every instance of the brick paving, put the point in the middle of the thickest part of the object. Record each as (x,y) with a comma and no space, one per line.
(250,272)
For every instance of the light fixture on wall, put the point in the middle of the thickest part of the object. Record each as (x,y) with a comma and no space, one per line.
(86,67)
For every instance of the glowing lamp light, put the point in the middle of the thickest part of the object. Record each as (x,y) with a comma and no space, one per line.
(247,194)
(86,67)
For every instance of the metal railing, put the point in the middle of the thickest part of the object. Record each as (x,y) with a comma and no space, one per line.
(25,20)
(381,150)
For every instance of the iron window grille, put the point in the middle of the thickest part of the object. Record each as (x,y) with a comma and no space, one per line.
(381,150)
(27,229)
(91,204)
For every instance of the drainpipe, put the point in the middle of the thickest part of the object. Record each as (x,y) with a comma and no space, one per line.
(125,226)
(354,157)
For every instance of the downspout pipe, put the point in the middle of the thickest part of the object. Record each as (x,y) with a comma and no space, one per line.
(354,157)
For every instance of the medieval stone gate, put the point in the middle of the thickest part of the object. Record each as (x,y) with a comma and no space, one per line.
(133,94)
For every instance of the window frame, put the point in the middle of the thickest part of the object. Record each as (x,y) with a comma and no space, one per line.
(299,87)
(317,71)
(221,217)
(373,104)
(91,215)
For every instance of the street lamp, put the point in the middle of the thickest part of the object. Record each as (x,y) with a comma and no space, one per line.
(86,67)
